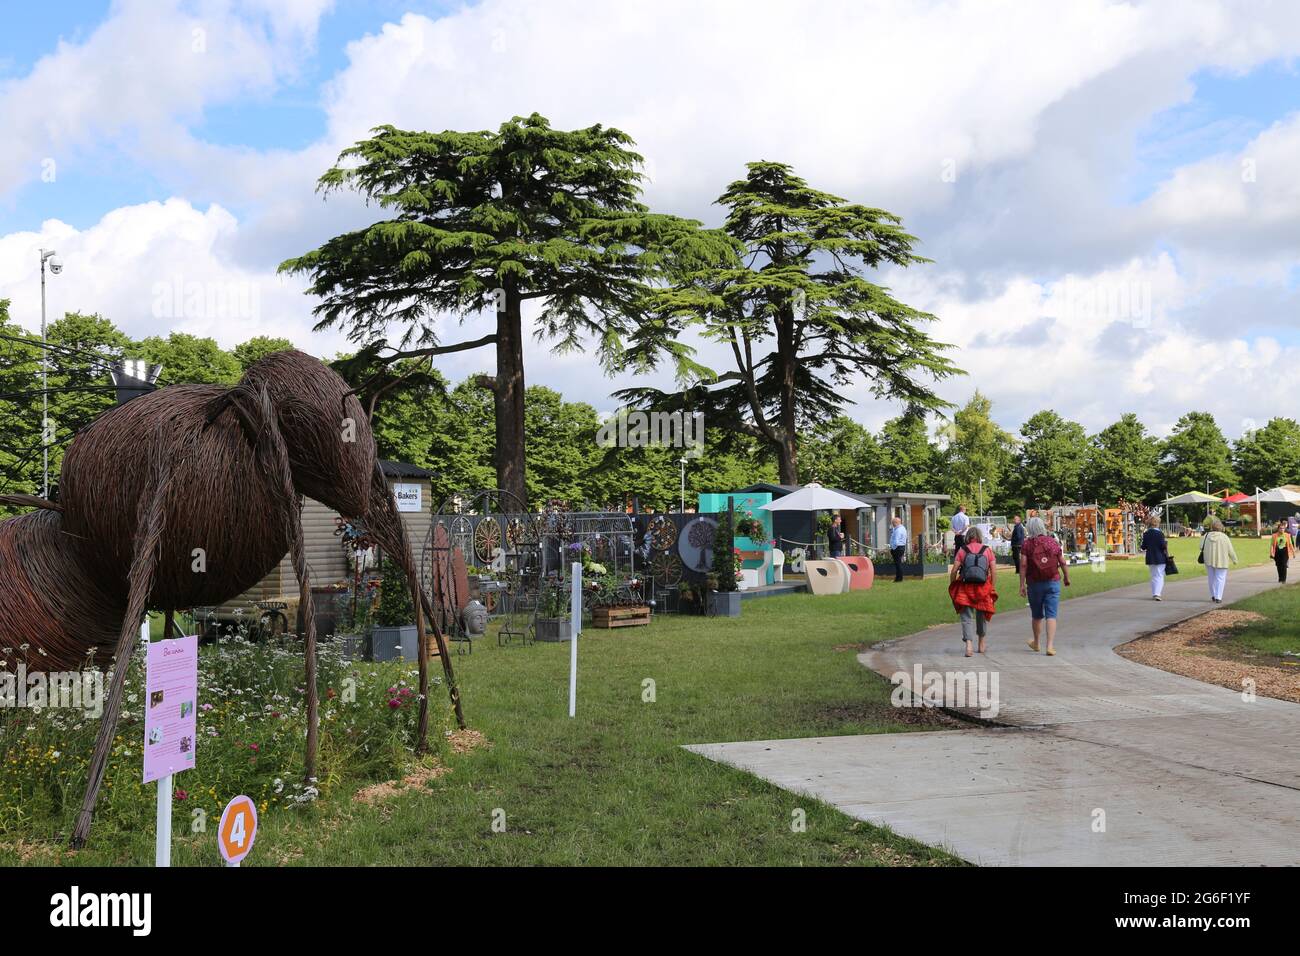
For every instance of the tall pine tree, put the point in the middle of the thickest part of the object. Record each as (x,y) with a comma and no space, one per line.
(490,220)
(799,316)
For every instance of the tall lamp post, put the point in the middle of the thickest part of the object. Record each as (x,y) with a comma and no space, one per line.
(981,497)
(56,267)
(682,462)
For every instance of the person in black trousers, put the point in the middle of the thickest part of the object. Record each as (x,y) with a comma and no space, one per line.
(1017,541)
(836,537)
(898,546)
(1281,548)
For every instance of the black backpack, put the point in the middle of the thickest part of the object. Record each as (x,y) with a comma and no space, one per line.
(974,567)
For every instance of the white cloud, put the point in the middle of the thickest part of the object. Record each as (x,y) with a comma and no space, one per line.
(1256,191)
(153,269)
(150,64)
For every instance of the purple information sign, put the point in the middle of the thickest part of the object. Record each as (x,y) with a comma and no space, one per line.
(171,687)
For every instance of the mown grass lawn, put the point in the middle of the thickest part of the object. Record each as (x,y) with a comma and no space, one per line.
(1276,639)
(613,785)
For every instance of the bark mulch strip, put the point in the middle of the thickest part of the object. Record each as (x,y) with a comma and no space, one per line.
(1201,649)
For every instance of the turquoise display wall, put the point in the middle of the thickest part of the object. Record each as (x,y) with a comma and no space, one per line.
(751,502)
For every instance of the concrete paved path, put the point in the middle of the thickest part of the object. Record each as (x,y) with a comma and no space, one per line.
(1179,772)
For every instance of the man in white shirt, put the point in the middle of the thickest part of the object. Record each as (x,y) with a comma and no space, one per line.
(898,546)
(960,522)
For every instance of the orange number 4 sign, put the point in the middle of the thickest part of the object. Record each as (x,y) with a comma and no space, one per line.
(238,829)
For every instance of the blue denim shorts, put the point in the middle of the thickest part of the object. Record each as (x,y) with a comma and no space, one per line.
(1044,597)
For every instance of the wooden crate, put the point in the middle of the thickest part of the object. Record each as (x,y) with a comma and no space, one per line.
(620,616)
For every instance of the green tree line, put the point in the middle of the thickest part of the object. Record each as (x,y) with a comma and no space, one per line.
(1050,460)
(444,427)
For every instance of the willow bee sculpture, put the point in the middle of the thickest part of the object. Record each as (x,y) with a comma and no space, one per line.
(188,496)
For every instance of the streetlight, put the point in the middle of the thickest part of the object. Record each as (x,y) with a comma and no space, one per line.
(56,267)
(682,462)
(981,497)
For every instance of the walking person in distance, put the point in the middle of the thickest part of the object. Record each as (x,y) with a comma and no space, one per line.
(1017,541)
(898,546)
(960,522)
(1217,554)
(971,587)
(1042,567)
(1281,548)
(1156,549)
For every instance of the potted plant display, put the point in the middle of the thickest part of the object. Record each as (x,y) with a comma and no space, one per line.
(724,599)
(394,634)
(616,601)
(553,622)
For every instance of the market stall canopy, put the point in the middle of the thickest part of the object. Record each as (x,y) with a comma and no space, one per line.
(1278,494)
(813,497)
(1237,499)
(1192,498)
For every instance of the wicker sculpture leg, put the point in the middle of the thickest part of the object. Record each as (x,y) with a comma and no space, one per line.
(143,565)
(274,456)
(452,690)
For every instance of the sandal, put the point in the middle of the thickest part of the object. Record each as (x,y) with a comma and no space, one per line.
(1032,645)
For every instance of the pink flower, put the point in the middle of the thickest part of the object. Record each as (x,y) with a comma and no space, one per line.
(182,795)
(394,703)
(254,747)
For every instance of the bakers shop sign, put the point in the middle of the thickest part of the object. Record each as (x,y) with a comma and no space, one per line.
(408,496)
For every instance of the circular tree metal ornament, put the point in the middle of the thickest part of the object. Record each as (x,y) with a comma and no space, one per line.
(695,544)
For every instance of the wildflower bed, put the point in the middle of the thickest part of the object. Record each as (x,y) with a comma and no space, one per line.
(251,726)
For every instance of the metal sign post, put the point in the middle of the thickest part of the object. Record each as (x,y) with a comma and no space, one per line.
(575,626)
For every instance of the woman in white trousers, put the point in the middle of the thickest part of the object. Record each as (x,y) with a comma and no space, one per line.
(1156,549)
(1216,547)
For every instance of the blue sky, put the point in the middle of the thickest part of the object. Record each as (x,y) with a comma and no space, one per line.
(1226,111)
(289,117)
(1099,146)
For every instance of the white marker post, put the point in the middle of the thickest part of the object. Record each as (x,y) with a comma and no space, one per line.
(162,855)
(575,627)
(162,851)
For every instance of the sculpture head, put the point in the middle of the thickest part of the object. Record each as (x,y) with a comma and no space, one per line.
(331,446)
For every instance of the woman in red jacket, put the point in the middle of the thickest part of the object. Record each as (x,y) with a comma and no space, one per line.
(973,598)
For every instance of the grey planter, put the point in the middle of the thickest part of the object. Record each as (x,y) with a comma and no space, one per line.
(395,643)
(553,629)
(724,603)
